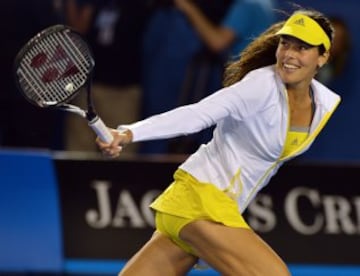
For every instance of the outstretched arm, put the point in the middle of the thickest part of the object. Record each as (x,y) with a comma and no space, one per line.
(177,122)
(239,101)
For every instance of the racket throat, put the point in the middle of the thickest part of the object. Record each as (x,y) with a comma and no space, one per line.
(93,120)
(91,116)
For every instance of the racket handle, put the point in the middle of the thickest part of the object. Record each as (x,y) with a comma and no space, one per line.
(101,130)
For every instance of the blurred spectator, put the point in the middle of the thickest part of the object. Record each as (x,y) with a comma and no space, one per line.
(339,54)
(241,22)
(21,124)
(187,43)
(79,14)
(113,29)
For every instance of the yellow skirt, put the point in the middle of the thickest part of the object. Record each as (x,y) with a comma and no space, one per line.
(187,200)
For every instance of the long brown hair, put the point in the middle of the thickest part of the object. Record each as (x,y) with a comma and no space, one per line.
(261,51)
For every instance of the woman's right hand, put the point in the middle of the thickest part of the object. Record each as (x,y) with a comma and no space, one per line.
(121,139)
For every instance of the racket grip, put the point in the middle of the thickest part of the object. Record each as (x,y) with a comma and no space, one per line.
(101,130)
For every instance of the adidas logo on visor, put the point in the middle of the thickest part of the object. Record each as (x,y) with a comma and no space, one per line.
(300,22)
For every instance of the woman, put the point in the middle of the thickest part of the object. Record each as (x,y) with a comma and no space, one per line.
(270,111)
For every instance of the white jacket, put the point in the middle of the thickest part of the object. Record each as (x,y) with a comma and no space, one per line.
(252,121)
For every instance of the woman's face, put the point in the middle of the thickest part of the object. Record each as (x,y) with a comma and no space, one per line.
(297,62)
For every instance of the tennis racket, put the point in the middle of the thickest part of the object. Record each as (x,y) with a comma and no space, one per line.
(52,68)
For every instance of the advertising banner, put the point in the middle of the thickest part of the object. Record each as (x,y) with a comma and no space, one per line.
(308,213)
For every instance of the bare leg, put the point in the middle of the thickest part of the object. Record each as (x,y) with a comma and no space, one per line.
(159,256)
(233,251)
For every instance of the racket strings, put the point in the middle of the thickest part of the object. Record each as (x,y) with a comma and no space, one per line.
(52,64)
(34,77)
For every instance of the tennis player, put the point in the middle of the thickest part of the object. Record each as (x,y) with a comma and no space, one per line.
(270,110)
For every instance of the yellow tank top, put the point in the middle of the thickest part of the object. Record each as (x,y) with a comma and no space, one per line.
(295,137)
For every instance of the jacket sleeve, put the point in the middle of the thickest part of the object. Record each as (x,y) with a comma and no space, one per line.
(240,100)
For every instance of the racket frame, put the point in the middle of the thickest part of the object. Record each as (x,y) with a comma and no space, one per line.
(94,121)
